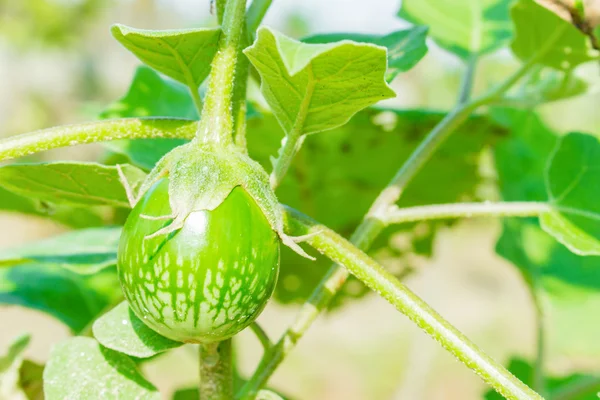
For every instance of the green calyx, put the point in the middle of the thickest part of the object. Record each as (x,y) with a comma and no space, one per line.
(202,175)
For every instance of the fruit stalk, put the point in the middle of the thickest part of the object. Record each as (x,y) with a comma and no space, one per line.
(216,371)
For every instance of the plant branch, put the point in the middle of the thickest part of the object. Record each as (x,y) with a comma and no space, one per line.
(216,371)
(538,380)
(216,120)
(261,335)
(468,80)
(396,215)
(92,132)
(386,285)
(256,12)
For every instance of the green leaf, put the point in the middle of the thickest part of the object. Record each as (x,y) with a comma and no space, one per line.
(84,251)
(405,48)
(71,182)
(573,183)
(463,27)
(144,153)
(151,95)
(121,330)
(579,386)
(570,283)
(71,216)
(355,162)
(10,364)
(316,87)
(537,28)
(74,299)
(184,55)
(80,368)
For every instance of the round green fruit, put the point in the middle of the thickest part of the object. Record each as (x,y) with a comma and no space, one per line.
(206,281)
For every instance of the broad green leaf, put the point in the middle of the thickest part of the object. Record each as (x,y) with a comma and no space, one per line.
(71,216)
(151,95)
(579,386)
(570,283)
(331,169)
(544,37)
(405,48)
(463,27)
(573,184)
(80,368)
(71,182)
(74,299)
(316,87)
(121,330)
(184,55)
(84,251)
(10,364)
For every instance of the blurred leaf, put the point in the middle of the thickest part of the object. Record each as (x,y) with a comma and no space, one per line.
(68,215)
(10,363)
(556,387)
(316,87)
(29,23)
(336,177)
(463,27)
(151,95)
(80,368)
(535,26)
(184,54)
(573,183)
(144,153)
(30,380)
(570,283)
(551,85)
(74,299)
(71,182)
(84,251)
(121,330)
(405,48)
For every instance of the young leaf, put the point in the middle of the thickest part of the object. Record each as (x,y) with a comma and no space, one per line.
(184,55)
(71,182)
(73,299)
(121,330)
(80,368)
(578,386)
(316,87)
(151,95)
(71,216)
(573,183)
(84,251)
(463,27)
(535,25)
(10,364)
(405,48)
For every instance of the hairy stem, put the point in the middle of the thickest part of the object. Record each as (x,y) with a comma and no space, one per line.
(216,371)
(386,285)
(216,121)
(396,215)
(92,132)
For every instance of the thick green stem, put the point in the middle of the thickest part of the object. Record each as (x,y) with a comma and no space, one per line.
(386,285)
(216,122)
(216,371)
(92,132)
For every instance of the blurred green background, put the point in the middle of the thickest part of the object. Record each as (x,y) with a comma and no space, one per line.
(59,65)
